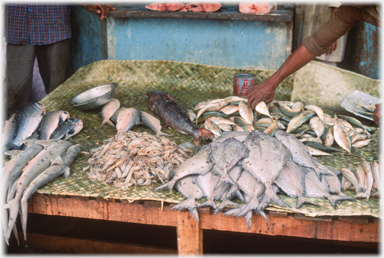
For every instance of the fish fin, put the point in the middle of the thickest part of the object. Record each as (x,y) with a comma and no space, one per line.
(335,199)
(161,187)
(250,206)
(12,153)
(107,121)
(209,203)
(262,213)
(270,195)
(67,172)
(223,204)
(301,200)
(248,219)
(29,142)
(9,204)
(188,204)
(232,212)
(57,161)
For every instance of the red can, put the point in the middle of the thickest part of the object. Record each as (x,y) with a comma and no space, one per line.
(241,84)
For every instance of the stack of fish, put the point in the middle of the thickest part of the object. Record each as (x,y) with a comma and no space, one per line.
(41,162)
(309,123)
(253,167)
(31,122)
(135,158)
(125,118)
(365,180)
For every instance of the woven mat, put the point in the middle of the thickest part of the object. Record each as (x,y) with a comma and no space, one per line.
(189,84)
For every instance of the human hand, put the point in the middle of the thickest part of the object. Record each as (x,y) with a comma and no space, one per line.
(264,91)
(332,48)
(377,114)
(103,10)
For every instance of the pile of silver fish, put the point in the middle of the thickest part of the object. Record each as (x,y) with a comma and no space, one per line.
(125,118)
(135,158)
(309,123)
(254,167)
(41,162)
(365,180)
(31,122)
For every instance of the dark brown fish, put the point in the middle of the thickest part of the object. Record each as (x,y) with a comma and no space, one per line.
(166,107)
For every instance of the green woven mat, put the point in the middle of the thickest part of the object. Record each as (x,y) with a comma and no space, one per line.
(189,84)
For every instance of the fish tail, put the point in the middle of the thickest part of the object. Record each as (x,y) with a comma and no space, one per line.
(335,199)
(270,195)
(251,205)
(225,203)
(301,200)
(161,187)
(209,203)
(248,219)
(232,212)
(188,204)
(107,121)
(204,133)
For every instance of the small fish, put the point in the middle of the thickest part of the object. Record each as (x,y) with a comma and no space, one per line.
(327,137)
(67,129)
(369,179)
(275,111)
(317,125)
(297,121)
(208,114)
(50,122)
(361,143)
(341,136)
(28,119)
(220,120)
(319,146)
(232,99)
(230,109)
(288,111)
(108,110)
(272,128)
(316,152)
(212,127)
(191,114)
(377,176)
(350,176)
(151,122)
(262,108)
(369,108)
(246,112)
(317,110)
(361,177)
(213,106)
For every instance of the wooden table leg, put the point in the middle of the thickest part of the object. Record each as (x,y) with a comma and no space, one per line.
(189,235)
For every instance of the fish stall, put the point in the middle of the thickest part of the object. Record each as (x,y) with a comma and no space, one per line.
(169,143)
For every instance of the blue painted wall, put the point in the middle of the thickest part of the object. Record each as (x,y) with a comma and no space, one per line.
(238,44)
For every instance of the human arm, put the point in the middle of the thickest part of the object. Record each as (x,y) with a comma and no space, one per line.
(265,91)
(103,10)
(377,114)
(333,47)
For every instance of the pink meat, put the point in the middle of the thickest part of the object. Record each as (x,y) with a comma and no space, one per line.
(162,7)
(257,7)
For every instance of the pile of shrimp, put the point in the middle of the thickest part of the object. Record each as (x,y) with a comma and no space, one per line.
(134,158)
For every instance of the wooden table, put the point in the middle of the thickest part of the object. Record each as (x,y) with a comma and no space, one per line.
(189,231)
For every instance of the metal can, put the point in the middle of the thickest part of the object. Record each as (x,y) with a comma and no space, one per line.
(241,84)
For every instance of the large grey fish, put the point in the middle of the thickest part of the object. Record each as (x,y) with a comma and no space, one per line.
(108,110)
(126,119)
(151,122)
(319,189)
(50,122)
(226,155)
(292,182)
(334,184)
(9,132)
(197,164)
(253,190)
(207,184)
(266,159)
(13,169)
(190,191)
(299,152)
(45,158)
(50,174)
(67,129)
(28,119)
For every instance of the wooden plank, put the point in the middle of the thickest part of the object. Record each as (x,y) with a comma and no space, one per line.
(84,246)
(103,210)
(189,235)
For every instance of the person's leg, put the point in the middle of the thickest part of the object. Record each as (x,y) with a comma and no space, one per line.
(53,60)
(18,74)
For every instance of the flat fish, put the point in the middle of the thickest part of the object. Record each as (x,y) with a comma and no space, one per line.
(50,122)
(127,118)
(166,107)
(28,119)
(66,130)
(50,174)
(197,164)
(151,122)
(191,192)
(291,181)
(266,159)
(319,189)
(108,110)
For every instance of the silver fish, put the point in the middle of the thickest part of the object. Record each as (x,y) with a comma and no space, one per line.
(50,174)
(369,179)
(127,118)
(191,192)
(299,152)
(28,119)
(341,136)
(246,112)
(67,129)
(267,156)
(197,164)
(45,158)
(108,110)
(376,176)
(317,125)
(262,108)
(9,132)
(50,122)
(350,176)
(361,177)
(291,181)
(151,122)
